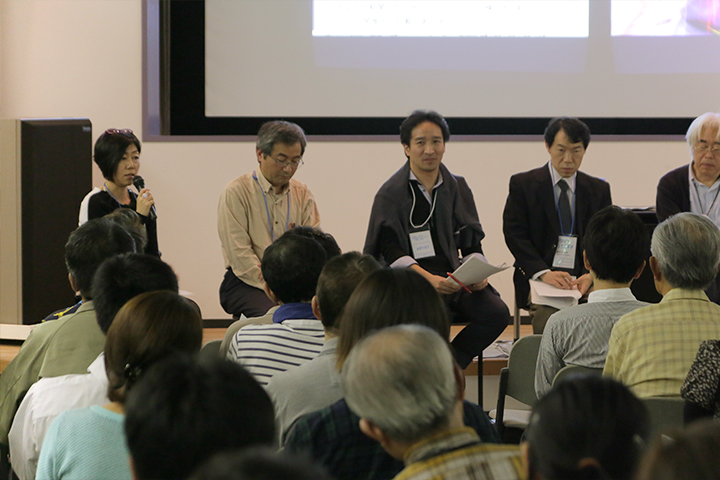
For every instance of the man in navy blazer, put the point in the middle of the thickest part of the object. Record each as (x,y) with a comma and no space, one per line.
(533,216)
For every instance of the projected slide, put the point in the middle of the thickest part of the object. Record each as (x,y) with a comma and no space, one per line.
(448,18)
(665,18)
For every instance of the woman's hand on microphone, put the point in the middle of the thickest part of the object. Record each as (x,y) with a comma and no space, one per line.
(145,200)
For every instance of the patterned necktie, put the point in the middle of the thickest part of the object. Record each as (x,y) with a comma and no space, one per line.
(564,207)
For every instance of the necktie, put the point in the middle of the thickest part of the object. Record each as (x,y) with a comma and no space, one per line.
(564,207)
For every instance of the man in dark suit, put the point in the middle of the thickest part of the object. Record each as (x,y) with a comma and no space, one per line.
(549,207)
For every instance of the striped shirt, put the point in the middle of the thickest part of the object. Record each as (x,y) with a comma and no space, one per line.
(651,349)
(265,350)
(459,455)
(579,335)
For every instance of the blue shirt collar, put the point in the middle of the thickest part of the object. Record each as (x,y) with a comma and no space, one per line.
(293,311)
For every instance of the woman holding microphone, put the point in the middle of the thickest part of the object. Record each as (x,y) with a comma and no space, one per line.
(117,154)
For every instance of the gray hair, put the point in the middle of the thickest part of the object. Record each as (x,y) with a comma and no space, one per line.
(401,379)
(280,131)
(706,120)
(687,248)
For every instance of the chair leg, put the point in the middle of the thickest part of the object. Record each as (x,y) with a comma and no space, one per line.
(500,410)
(516,323)
(480,374)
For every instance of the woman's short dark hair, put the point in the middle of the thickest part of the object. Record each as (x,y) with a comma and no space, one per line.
(149,327)
(390,297)
(420,116)
(110,148)
(587,418)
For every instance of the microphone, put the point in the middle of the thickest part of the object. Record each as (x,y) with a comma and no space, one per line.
(140,184)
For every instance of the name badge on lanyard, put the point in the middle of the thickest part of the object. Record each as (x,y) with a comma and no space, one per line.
(422,244)
(565,253)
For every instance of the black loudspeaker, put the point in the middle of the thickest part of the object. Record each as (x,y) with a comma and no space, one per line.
(45,172)
(644,287)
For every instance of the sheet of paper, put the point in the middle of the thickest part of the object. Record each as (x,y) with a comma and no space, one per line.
(475,269)
(543,294)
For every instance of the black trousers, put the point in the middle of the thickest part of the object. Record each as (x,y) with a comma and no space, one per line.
(237,297)
(486,315)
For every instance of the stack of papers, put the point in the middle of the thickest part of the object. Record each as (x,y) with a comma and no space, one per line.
(475,269)
(543,294)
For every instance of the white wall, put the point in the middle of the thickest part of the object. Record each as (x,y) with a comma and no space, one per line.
(82,58)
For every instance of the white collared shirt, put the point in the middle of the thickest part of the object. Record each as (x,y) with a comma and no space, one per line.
(703,199)
(424,191)
(611,295)
(46,399)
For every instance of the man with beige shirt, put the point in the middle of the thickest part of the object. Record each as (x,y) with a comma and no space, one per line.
(257,208)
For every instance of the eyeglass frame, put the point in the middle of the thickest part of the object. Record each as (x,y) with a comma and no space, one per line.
(703,148)
(288,162)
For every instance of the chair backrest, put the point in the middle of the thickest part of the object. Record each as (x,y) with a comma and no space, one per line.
(521,366)
(211,350)
(666,413)
(572,370)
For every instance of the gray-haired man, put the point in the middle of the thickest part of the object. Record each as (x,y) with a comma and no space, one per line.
(257,208)
(403,383)
(651,349)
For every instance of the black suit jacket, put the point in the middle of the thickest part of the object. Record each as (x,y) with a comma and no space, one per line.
(673,193)
(531,225)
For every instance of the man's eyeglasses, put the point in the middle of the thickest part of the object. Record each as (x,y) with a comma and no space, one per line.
(122,131)
(295,163)
(704,148)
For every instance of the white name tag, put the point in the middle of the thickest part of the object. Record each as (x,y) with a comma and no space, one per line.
(422,245)
(565,253)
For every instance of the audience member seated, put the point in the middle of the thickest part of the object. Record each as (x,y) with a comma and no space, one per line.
(404,385)
(71,343)
(702,385)
(316,384)
(117,281)
(331,436)
(331,248)
(181,413)
(586,427)
(689,454)
(652,348)
(616,245)
(130,221)
(291,267)
(89,442)
(259,463)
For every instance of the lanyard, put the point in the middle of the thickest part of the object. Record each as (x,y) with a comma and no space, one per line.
(114,197)
(557,207)
(267,210)
(700,201)
(412,209)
